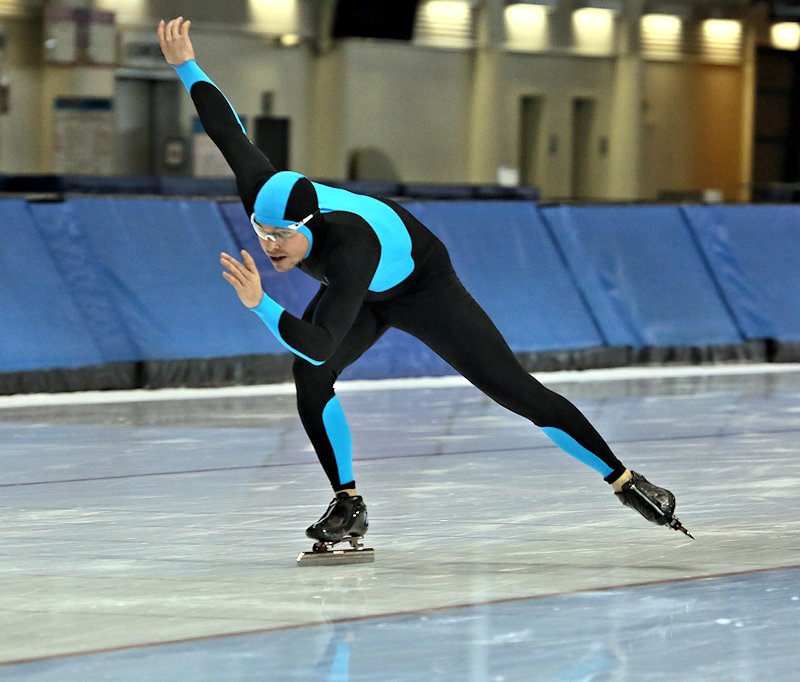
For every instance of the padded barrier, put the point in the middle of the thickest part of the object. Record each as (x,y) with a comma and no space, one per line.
(147,281)
(160,263)
(66,239)
(644,277)
(43,326)
(129,292)
(754,253)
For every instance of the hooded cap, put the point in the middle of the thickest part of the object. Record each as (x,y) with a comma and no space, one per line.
(285,199)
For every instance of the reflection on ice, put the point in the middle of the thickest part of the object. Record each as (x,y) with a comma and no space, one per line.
(715,628)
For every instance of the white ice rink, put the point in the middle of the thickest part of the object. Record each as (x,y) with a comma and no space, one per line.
(153,535)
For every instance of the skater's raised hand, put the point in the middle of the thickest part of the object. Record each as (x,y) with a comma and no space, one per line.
(173,36)
(243,276)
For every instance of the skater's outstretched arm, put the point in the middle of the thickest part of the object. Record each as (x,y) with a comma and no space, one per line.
(220,121)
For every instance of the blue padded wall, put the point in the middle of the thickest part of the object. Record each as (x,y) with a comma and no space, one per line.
(754,252)
(507,260)
(42,326)
(157,264)
(92,281)
(642,273)
(66,241)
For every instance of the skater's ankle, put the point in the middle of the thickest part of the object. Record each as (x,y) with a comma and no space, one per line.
(622,480)
(353,492)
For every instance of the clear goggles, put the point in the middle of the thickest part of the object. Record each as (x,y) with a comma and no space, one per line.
(280,234)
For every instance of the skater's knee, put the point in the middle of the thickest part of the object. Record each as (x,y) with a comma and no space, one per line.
(551,409)
(311,376)
(528,399)
(313,387)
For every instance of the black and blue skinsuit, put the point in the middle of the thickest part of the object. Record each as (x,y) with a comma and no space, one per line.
(378,267)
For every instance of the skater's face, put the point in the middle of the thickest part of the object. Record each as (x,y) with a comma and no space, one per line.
(284,247)
(285,250)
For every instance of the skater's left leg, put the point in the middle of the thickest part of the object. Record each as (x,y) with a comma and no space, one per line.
(446,318)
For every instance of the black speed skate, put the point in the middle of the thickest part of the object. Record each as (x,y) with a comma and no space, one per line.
(345,517)
(654,503)
(345,520)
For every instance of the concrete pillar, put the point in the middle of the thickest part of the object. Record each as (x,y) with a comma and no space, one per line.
(485,139)
(625,146)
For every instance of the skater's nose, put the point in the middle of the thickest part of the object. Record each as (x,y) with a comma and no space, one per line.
(270,246)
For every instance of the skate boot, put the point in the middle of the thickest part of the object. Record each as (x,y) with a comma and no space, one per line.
(345,517)
(344,521)
(654,503)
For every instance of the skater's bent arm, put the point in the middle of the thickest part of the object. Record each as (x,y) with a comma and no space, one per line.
(337,309)
(220,121)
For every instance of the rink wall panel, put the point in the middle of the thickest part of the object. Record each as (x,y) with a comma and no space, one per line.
(754,254)
(115,292)
(641,271)
(42,323)
(157,264)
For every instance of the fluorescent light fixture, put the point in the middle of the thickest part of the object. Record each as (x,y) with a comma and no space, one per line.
(722,30)
(444,23)
(593,30)
(722,40)
(290,39)
(123,8)
(447,10)
(526,27)
(661,36)
(667,25)
(275,16)
(785,36)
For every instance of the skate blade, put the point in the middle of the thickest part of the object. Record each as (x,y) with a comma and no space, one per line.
(675,524)
(334,557)
(671,521)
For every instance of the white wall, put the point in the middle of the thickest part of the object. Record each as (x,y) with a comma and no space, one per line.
(450,116)
(410,102)
(244,66)
(326,98)
(559,80)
